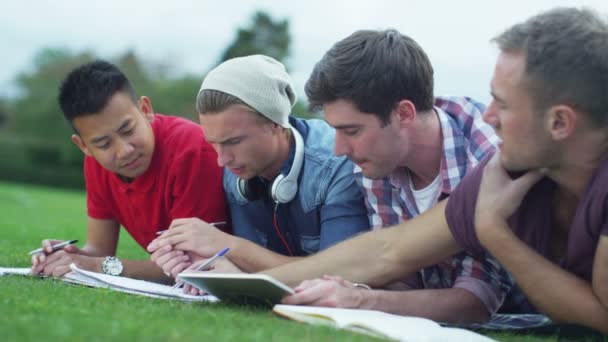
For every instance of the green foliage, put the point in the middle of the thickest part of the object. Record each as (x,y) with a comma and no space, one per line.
(4,113)
(301,110)
(36,141)
(35,144)
(264,36)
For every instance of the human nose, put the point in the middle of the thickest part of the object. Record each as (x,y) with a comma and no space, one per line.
(341,145)
(223,156)
(125,148)
(490,115)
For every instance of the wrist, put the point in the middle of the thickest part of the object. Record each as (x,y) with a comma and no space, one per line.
(112,266)
(492,231)
(365,298)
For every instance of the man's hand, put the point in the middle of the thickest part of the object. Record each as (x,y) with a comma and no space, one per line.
(192,235)
(221,266)
(57,263)
(331,291)
(172,261)
(499,195)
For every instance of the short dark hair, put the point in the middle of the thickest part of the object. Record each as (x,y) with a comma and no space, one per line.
(566,51)
(374,70)
(88,88)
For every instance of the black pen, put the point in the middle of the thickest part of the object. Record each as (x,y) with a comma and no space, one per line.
(55,247)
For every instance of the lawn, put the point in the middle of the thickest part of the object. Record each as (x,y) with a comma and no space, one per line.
(33,309)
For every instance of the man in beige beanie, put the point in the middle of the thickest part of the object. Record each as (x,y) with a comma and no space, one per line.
(289,195)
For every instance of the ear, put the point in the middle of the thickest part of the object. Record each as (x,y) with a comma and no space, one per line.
(404,112)
(561,122)
(78,142)
(145,106)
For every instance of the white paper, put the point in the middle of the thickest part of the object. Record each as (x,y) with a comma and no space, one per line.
(401,328)
(15,270)
(129,285)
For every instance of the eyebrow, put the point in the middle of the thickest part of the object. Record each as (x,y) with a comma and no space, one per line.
(124,125)
(221,142)
(347,126)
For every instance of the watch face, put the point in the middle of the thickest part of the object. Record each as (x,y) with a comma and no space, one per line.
(113,266)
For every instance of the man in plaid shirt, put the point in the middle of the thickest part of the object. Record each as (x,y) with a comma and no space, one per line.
(411,150)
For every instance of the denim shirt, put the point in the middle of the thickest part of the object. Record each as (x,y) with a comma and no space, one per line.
(328,206)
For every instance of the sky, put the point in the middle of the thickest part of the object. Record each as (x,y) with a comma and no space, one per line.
(192,34)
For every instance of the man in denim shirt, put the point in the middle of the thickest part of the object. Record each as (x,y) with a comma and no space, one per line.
(289,196)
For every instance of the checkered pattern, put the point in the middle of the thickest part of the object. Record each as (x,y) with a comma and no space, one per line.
(467,139)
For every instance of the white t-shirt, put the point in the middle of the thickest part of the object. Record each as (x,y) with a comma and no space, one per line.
(427,197)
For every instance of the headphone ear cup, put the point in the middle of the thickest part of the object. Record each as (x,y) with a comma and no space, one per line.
(242,187)
(283,189)
(252,189)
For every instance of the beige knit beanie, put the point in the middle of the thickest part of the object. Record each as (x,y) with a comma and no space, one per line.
(259,81)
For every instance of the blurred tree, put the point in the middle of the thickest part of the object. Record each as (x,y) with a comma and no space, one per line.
(264,36)
(36,114)
(3,113)
(176,96)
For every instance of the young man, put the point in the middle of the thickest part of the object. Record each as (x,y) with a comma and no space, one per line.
(411,151)
(549,227)
(289,196)
(142,170)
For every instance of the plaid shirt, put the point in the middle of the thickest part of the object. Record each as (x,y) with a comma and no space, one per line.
(467,139)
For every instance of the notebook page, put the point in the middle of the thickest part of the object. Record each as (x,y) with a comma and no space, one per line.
(140,286)
(402,328)
(15,270)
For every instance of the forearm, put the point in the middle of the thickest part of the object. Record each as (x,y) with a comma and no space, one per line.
(452,305)
(359,259)
(146,270)
(381,256)
(558,293)
(137,269)
(250,257)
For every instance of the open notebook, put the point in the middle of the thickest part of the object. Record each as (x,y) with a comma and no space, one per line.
(377,323)
(121,284)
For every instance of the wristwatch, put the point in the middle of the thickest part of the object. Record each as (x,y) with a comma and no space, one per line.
(112,266)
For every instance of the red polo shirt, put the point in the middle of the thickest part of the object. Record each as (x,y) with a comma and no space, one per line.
(183,180)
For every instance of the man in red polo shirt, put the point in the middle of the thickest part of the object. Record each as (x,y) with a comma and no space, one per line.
(142,170)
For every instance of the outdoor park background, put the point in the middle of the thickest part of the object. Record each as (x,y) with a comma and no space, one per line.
(166,48)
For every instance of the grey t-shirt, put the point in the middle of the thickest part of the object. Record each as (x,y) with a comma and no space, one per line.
(532,222)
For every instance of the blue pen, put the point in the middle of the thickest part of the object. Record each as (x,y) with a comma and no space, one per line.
(206,265)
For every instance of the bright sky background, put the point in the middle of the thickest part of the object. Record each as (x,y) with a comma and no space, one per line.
(192,34)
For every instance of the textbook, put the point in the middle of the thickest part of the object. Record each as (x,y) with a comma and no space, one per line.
(241,288)
(121,284)
(379,324)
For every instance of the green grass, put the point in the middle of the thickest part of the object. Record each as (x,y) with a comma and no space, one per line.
(33,309)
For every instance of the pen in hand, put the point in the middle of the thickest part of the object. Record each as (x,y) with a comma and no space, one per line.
(55,247)
(205,266)
(220,223)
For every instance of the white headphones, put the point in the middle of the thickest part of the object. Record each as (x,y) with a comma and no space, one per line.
(283,188)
